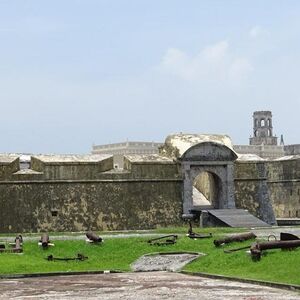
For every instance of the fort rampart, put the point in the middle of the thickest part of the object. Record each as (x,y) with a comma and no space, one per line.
(260,185)
(71,193)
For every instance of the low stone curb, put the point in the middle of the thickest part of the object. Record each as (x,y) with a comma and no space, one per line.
(285,286)
(81,236)
(18,276)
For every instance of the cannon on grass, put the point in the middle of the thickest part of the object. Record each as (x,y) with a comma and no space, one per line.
(287,241)
(93,238)
(45,241)
(169,239)
(235,238)
(79,257)
(16,247)
(18,244)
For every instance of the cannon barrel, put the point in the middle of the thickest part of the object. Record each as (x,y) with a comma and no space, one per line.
(93,237)
(45,240)
(235,238)
(169,239)
(174,236)
(20,238)
(257,248)
(18,242)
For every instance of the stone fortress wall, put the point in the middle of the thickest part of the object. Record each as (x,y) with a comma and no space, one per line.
(278,176)
(263,143)
(292,149)
(279,180)
(86,192)
(76,193)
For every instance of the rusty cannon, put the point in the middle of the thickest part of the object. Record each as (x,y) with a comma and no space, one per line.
(18,242)
(79,257)
(169,239)
(284,236)
(235,238)
(45,241)
(16,246)
(257,248)
(93,238)
(19,238)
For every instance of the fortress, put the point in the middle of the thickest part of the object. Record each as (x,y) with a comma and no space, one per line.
(263,143)
(190,174)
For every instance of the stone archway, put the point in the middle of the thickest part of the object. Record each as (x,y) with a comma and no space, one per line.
(216,159)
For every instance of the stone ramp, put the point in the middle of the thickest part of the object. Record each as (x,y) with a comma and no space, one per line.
(237,218)
(199,199)
(163,261)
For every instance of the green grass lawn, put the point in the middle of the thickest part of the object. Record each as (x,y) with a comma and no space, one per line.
(119,253)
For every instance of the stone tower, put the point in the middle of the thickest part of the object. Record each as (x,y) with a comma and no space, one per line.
(263,129)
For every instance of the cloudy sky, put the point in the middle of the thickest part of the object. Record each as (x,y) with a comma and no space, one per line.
(74,73)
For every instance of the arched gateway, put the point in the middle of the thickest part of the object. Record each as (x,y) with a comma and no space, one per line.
(204,154)
(215,159)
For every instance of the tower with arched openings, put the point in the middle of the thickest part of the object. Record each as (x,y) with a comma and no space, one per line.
(263,129)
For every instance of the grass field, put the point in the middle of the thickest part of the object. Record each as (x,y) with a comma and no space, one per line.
(119,253)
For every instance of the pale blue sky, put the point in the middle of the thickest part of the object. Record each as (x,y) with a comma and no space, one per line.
(74,73)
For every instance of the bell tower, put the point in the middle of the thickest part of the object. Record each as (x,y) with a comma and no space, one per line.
(263,129)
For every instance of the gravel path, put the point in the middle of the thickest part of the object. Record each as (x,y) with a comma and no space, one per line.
(154,285)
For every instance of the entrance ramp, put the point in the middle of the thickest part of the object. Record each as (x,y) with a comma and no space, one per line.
(200,200)
(237,218)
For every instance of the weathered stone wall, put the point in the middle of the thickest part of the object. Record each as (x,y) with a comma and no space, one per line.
(284,187)
(152,170)
(264,186)
(251,190)
(8,168)
(57,198)
(98,205)
(283,169)
(90,194)
(292,149)
(71,170)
